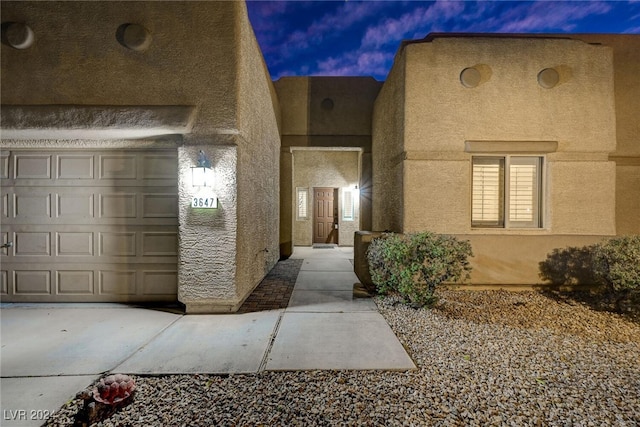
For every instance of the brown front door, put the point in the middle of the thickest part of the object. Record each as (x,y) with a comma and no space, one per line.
(325,215)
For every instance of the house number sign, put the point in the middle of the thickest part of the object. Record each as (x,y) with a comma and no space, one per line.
(206,202)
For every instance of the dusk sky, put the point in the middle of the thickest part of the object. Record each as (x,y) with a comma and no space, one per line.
(360,38)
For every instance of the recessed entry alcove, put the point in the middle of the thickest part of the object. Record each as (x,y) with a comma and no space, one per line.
(326,203)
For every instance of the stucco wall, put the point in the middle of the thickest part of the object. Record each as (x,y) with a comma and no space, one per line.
(519,257)
(336,169)
(207,237)
(427,126)
(258,164)
(293,93)
(341,105)
(347,115)
(387,150)
(628,197)
(202,55)
(626,58)
(626,61)
(344,121)
(429,195)
(509,106)
(287,213)
(76,58)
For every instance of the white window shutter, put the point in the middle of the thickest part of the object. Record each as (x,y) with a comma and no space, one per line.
(487,192)
(347,205)
(302,211)
(524,183)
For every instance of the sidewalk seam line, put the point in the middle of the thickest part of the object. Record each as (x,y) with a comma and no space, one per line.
(136,351)
(263,363)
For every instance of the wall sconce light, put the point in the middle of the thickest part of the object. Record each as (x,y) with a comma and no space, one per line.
(203,179)
(202,175)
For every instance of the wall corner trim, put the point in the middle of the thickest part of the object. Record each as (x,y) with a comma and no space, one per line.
(319,148)
(510,146)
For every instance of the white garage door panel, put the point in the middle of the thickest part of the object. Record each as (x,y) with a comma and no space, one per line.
(70,282)
(100,243)
(89,226)
(89,205)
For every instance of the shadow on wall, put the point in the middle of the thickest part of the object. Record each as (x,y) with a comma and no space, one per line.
(571,266)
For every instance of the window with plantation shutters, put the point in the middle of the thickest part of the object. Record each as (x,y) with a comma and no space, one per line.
(524,193)
(488,192)
(302,210)
(506,191)
(347,205)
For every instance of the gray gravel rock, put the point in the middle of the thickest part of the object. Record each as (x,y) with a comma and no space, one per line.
(490,358)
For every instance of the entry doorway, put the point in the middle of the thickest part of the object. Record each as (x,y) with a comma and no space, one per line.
(325,215)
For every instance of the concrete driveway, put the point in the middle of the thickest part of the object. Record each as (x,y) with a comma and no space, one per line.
(52,351)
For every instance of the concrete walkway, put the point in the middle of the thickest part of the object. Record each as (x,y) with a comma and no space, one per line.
(49,352)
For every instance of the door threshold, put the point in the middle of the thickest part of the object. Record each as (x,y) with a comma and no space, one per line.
(324,245)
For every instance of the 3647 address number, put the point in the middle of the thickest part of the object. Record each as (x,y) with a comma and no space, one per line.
(204,202)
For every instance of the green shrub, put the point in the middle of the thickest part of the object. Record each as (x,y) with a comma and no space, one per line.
(386,255)
(613,265)
(415,264)
(617,264)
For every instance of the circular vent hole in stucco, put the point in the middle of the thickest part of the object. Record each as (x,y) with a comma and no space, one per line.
(133,36)
(17,35)
(327,104)
(548,78)
(470,77)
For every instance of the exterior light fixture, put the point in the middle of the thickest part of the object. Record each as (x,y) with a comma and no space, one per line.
(202,175)
(203,180)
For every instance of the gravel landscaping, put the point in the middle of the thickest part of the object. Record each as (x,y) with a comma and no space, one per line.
(484,358)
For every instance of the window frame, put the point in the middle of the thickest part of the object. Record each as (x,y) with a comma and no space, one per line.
(348,205)
(504,222)
(302,191)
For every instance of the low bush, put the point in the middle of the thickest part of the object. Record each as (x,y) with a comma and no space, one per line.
(613,265)
(385,256)
(617,264)
(415,264)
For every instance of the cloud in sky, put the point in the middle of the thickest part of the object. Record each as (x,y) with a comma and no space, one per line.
(361,37)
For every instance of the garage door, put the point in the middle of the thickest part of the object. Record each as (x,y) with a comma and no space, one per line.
(89,226)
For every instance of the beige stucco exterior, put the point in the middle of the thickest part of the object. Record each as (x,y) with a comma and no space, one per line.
(427,127)
(331,131)
(202,55)
(627,154)
(334,168)
(198,82)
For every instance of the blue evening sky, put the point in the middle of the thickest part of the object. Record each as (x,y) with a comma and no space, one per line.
(360,38)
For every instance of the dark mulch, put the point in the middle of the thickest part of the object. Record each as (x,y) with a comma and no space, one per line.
(274,292)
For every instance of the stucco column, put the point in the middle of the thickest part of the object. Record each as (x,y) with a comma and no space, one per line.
(207,237)
(286,203)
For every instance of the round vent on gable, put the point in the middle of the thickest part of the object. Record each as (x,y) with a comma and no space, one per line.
(133,36)
(327,104)
(17,35)
(470,77)
(548,78)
